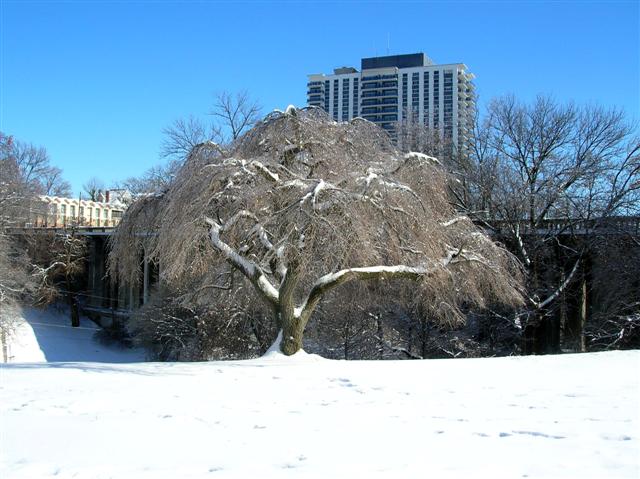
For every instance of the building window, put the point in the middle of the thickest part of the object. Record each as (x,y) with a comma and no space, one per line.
(425,81)
(72,209)
(436,99)
(355,97)
(405,91)
(63,210)
(326,96)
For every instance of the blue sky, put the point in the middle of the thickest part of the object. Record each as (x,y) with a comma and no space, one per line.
(96,81)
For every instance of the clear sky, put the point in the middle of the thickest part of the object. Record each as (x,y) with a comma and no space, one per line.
(96,81)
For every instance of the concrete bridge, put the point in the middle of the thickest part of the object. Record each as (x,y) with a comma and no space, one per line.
(110,303)
(611,225)
(107,302)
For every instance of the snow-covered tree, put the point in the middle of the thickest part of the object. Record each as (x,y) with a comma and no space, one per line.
(59,263)
(300,205)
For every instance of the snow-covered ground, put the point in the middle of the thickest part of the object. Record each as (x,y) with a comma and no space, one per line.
(47,335)
(306,417)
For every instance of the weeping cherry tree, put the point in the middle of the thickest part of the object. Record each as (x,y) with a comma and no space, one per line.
(300,205)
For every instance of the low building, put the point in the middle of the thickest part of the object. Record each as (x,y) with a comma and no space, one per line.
(56,211)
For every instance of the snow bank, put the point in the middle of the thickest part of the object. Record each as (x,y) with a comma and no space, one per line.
(274,353)
(537,417)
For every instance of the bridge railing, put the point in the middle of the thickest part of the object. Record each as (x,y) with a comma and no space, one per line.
(609,225)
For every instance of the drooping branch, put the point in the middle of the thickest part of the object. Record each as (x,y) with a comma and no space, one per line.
(247,267)
(561,288)
(331,281)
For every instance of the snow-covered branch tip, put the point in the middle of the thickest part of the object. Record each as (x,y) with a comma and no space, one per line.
(421,157)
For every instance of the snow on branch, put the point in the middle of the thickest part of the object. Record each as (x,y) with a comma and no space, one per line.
(330,281)
(561,288)
(453,221)
(266,172)
(421,157)
(246,266)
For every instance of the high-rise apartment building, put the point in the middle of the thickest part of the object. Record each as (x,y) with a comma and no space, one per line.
(400,89)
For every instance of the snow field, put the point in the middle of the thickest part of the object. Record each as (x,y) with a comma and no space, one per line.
(276,417)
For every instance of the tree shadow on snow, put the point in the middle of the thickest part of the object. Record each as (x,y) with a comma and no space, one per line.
(60,342)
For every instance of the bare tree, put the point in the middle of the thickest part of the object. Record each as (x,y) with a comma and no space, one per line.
(54,184)
(16,282)
(232,116)
(545,175)
(183,135)
(301,205)
(16,285)
(156,179)
(32,161)
(59,262)
(235,114)
(36,170)
(93,187)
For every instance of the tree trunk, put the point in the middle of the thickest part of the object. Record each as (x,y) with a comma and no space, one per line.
(579,311)
(346,335)
(380,336)
(424,335)
(75,313)
(292,329)
(73,306)
(5,350)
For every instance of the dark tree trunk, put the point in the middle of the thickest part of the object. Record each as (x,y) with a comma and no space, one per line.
(346,337)
(75,311)
(292,330)
(424,333)
(73,305)
(380,336)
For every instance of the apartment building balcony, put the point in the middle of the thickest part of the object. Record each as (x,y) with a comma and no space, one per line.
(379,94)
(376,101)
(377,118)
(378,85)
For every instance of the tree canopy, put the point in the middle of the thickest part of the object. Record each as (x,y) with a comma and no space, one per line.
(300,205)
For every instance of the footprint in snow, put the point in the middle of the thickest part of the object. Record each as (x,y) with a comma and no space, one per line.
(344,381)
(538,434)
(616,438)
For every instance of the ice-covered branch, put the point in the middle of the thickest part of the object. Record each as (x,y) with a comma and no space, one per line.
(561,288)
(246,266)
(330,281)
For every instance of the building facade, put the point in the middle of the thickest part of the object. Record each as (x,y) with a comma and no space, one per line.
(400,89)
(58,212)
